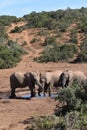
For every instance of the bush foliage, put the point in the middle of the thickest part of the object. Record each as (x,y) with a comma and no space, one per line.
(55,53)
(10,54)
(73,105)
(82,56)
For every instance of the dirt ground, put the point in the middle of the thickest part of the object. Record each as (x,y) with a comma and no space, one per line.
(14,113)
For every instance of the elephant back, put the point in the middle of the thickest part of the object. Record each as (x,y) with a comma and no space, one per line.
(19,76)
(80,76)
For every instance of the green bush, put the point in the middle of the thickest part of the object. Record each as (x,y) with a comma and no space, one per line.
(16,30)
(6,57)
(16,48)
(49,41)
(47,123)
(55,53)
(82,56)
(34,40)
(10,55)
(74,38)
(82,25)
(73,105)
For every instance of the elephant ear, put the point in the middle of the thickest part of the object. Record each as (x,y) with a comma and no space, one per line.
(70,74)
(20,77)
(32,76)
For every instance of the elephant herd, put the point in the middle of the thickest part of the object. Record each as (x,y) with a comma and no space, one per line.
(44,81)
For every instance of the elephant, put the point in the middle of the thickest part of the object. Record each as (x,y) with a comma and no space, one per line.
(68,77)
(49,80)
(24,79)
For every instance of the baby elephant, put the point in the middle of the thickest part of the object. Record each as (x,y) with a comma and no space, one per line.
(68,77)
(21,80)
(49,80)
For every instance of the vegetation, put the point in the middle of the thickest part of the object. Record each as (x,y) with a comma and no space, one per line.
(58,20)
(49,41)
(74,38)
(10,54)
(74,105)
(46,123)
(55,53)
(4,22)
(70,112)
(16,30)
(35,40)
(82,56)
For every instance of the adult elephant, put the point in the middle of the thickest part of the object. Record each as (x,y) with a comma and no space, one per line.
(49,80)
(68,77)
(21,80)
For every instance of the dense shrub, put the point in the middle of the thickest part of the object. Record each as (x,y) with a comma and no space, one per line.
(73,105)
(16,30)
(49,41)
(82,56)
(52,20)
(47,123)
(34,40)
(43,32)
(5,20)
(74,38)
(10,55)
(15,47)
(55,53)
(83,24)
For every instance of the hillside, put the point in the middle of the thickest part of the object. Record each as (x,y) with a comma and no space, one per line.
(32,41)
(34,32)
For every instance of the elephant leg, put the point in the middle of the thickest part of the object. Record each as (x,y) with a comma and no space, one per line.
(13,94)
(45,92)
(49,90)
(39,91)
(33,93)
(45,89)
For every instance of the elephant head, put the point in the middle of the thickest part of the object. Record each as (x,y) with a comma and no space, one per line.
(65,78)
(42,79)
(36,77)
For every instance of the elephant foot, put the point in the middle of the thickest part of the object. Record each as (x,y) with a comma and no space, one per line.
(33,95)
(39,94)
(49,94)
(12,96)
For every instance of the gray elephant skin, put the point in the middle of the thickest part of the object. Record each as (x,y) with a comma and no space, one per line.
(49,80)
(22,79)
(68,77)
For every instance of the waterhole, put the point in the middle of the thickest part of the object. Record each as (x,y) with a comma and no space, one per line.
(28,96)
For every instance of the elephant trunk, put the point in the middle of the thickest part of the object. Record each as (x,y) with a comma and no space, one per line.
(40,89)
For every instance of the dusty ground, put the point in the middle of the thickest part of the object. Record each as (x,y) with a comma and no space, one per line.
(14,113)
